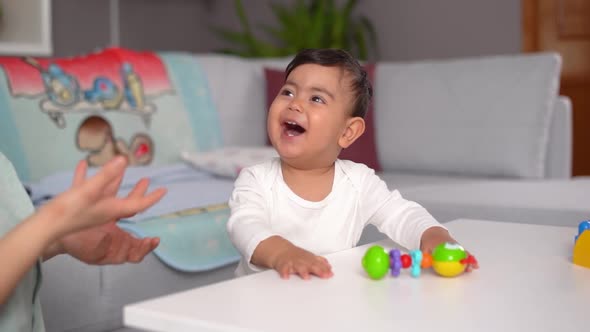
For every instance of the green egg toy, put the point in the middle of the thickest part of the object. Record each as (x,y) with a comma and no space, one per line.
(448,259)
(376,262)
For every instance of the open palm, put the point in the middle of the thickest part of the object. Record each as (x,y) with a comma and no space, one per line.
(107,244)
(93,208)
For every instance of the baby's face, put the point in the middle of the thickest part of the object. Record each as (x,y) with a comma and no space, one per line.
(309,115)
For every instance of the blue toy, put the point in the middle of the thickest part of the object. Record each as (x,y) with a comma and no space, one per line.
(583,226)
(416,262)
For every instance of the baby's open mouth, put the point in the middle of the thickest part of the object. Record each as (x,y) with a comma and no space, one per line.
(293,128)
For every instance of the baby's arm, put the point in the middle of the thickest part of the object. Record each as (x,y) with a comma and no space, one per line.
(250,231)
(405,222)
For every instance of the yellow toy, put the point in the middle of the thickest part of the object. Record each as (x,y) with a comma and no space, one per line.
(581,254)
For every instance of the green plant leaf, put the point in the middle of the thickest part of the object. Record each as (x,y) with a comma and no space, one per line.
(232,36)
(370,29)
(287,24)
(283,14)
(360,42)
(242,16)
(234,52)
(318,23)
(304,24)
(273,32)
(348,7)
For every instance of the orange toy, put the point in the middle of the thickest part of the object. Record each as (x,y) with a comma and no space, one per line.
(426,261)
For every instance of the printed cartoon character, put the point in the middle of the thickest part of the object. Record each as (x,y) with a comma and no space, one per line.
(105,92)
(140,151)
(133,87)
(61,88)
(96,136)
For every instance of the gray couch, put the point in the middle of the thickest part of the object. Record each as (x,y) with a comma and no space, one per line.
(481,138)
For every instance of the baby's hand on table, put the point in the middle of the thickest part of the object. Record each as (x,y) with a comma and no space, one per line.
(295,260)
(434,236)
(283,256)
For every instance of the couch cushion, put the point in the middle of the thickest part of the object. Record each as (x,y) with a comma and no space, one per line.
(403,181)
(364,150)
(559,149)
(238,91)
(483,116)
(147,106)
(548,202)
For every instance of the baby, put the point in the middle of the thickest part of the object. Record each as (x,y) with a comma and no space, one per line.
(289,212)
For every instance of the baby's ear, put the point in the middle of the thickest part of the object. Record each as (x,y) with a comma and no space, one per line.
(355,127)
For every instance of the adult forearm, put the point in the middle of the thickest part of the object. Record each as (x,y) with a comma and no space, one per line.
(20,248)
(268,250)
(52,250)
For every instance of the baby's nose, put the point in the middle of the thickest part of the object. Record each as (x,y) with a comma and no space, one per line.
(295,106)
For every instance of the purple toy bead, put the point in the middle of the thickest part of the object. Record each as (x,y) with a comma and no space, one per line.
(395,262)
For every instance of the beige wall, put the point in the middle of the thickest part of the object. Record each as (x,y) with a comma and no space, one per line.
(407,29)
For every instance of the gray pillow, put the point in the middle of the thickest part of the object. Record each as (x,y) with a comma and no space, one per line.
(485,116)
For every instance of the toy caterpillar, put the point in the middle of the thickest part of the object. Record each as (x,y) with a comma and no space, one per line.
(447,260)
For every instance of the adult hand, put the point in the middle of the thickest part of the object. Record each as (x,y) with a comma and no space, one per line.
(87,214)
(107,244)
(93,201)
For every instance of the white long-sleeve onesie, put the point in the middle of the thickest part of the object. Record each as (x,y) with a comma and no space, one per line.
(262,205)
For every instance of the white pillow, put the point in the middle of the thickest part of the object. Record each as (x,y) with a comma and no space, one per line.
(228,161)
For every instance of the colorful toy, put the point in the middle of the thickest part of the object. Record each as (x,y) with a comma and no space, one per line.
(376,262)
(581,255)
(447,260)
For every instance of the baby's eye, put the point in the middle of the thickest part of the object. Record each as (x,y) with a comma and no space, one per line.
(317,99)
(286,92)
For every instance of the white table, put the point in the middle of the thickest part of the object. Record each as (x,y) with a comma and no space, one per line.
(526,283)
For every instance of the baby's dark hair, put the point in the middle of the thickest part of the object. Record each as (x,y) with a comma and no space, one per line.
(361,86)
